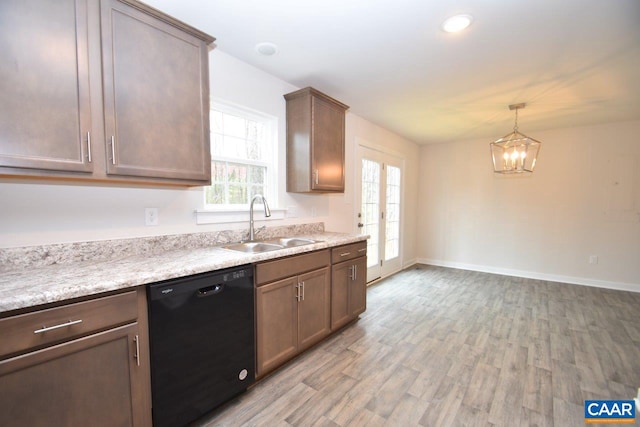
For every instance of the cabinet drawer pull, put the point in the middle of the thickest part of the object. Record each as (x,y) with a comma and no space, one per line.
(89,146)
(345,254)
(362,250)
(62,325)
(137,355)
(113,149)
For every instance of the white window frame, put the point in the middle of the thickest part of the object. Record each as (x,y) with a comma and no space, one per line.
(239,213)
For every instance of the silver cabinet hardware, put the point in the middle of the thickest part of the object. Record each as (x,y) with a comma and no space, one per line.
(89,146)
(317,176)
(355,272)
(345,254)
(113,149)
(137,355)
(362,250)
(302,291)
(298,292)
(62,325)
(352,270)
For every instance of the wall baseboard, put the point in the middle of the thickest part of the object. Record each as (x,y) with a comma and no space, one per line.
(409,263)
(620,286)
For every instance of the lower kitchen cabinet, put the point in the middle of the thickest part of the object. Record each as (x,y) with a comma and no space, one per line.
(100,378)
(292,313)
(348,290)
(348,283)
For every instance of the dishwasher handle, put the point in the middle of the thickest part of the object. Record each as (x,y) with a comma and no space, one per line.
(210,290)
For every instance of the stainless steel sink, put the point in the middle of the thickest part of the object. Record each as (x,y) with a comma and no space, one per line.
(290,242)
(269,245)
(254,247)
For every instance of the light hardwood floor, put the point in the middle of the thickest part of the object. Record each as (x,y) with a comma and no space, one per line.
(446,347)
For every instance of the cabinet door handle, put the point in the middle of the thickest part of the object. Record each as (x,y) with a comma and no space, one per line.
(352,272)
(137,355)
(89,146)
(345,253)
(355,272)
(302,291)
(51,328)
(298,292)
(317,176)
(113,149)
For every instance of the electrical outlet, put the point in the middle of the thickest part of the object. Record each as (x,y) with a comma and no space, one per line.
(593,259)
(151,216)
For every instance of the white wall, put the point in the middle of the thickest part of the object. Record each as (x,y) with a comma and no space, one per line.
(34,213)
(583,199)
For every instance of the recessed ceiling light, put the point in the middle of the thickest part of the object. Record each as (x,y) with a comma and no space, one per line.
(457,23)
(266,49)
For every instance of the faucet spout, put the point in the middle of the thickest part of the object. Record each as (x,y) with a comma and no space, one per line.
(267,213)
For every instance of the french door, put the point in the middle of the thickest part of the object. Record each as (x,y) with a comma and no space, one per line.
(379,216)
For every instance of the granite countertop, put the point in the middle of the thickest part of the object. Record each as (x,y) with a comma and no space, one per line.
(32,286)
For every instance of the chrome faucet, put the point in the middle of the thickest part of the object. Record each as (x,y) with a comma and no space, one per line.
(267,213)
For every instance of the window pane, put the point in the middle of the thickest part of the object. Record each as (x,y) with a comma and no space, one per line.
(216,121)
(257,174)
(237,194)
(235,126)
(215,194)
(247,140)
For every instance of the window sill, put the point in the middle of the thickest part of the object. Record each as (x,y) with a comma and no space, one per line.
(240,215)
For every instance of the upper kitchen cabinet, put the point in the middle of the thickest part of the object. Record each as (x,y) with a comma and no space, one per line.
(315,142)
(109,90)
(45,114)
(156,96)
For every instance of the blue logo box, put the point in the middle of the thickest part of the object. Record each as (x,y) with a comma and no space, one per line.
(609,411)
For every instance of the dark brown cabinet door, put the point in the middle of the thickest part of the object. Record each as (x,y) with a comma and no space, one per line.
(315,142)
(340,281)
(156,96)
(327,151)
(314,307)
(44,85)
(276,324)
(92,381)
(348,291)
(358,288)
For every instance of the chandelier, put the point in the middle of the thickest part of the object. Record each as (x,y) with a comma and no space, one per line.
(515,152)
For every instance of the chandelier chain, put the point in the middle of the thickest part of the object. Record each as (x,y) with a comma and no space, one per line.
(515,128)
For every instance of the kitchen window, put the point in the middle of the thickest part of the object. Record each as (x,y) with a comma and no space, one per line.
(243,155)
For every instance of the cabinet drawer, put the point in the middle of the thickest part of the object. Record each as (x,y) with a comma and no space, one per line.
(347,252)
(31,330)
(279,269)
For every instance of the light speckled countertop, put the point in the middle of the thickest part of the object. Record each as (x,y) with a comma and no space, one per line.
(31,286)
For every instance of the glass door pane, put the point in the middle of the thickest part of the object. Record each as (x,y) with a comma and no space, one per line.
(392,228)
(370,208)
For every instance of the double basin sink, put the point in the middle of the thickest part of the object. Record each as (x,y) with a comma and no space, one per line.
(269,245)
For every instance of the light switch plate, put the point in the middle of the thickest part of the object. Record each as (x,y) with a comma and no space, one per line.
(151,216)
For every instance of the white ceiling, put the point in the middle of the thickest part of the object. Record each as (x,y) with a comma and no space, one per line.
(574,62)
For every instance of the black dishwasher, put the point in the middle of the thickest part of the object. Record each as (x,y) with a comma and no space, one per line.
(202,343)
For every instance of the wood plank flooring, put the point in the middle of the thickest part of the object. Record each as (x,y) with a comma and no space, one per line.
(446,347)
